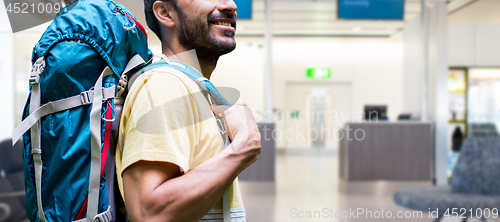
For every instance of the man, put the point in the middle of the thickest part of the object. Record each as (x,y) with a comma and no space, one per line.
(170,166)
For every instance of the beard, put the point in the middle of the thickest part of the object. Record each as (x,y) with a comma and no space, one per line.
(194,34)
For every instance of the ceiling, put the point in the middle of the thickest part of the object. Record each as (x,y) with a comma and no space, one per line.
(319,18)
(305,17)
(481,11)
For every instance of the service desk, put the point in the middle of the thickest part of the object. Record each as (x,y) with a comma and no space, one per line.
(397,151)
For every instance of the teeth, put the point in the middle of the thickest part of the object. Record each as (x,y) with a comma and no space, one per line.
(224,24)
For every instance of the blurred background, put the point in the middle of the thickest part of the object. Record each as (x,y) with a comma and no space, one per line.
(361,103)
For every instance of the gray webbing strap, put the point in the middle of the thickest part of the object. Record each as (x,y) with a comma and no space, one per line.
(95,143)
(102,217)
(133,62)
(131,81)
(52,107)
(36,151)
(215,99)
(198,81)
(226,208)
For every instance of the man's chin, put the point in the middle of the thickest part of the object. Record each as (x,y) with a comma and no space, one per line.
(227,43)
(229,47)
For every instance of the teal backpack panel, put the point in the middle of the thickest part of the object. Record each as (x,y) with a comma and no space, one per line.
(84,38)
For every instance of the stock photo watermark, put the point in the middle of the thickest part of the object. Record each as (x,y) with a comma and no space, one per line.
(365,213)
(328,213)
(322,133)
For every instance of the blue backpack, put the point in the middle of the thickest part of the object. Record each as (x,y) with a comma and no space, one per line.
(78,83)
(68,149)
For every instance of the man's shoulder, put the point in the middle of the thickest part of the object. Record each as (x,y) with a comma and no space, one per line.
(168,73)
(164,80)
(165,85)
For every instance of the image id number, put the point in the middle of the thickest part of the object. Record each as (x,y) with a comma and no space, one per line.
(468,213)
(25,8)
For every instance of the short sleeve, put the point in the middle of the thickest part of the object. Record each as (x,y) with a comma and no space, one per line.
(158,122)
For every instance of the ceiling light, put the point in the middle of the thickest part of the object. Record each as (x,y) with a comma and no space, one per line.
(356,29)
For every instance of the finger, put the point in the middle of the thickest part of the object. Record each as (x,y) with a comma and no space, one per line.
(219,109)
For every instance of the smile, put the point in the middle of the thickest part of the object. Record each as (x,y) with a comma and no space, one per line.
(224,24)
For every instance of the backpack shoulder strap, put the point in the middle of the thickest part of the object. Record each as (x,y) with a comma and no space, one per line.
(197,77)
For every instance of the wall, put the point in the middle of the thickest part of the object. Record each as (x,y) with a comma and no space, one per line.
(474,45)
(6,76)
(373,65)
(243,69)
(413,69)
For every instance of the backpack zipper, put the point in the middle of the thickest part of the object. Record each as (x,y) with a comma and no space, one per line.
(137,23)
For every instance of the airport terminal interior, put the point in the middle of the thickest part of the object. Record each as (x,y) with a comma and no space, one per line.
(383,114)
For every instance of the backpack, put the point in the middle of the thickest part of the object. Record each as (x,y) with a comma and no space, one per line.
(78,84)
(68,155)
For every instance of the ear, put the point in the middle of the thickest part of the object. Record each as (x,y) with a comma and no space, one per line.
(164,13)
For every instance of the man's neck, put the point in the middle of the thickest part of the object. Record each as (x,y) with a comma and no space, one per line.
(189,57)
(207,67)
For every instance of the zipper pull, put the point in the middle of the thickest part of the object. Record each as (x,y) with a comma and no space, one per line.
(136,23)
(119,10)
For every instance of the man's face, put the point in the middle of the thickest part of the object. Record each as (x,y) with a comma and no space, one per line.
(207,27)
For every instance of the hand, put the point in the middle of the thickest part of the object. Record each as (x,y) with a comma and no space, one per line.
(241,128)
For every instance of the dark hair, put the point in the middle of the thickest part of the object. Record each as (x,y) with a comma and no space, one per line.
(151,20)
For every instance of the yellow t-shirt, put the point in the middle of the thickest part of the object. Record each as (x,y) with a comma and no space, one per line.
(167,118)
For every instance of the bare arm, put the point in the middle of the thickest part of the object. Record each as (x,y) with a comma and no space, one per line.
(156,191)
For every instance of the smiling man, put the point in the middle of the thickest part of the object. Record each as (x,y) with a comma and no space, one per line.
(180,171)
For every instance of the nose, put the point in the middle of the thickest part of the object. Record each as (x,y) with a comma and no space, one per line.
(227,5)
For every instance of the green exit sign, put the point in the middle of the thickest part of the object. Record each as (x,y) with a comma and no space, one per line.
(318,73)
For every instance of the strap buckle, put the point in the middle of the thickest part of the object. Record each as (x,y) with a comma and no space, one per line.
(86,97)
(104,216)
(36,70)
(34,79)
(201,79)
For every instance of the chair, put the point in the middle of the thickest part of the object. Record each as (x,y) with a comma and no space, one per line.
(12,195)
(482,129)
(475,183)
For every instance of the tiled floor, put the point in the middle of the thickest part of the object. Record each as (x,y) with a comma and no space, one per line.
(309,183)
